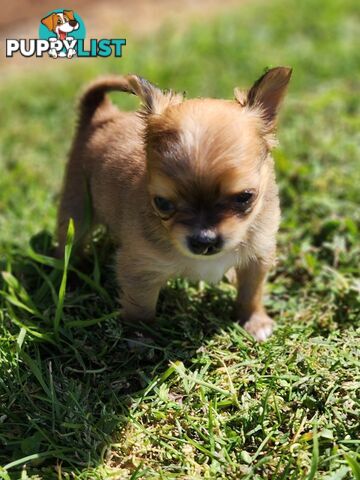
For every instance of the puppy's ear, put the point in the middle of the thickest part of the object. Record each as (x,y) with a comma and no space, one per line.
(69,14)
(268,92)
(154,100)
(50,21)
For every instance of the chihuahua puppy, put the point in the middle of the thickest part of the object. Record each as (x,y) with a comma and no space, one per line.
(185,188)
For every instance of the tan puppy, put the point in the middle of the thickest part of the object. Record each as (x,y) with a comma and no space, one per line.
(185,187)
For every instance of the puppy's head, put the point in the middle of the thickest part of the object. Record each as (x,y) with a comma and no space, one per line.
(208,161)
(61,23)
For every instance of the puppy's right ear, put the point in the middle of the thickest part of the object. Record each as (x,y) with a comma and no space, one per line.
(154,100)
(50,21)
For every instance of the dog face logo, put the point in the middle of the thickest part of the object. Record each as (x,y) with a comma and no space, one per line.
(61,23)
(62,35)
(64,26)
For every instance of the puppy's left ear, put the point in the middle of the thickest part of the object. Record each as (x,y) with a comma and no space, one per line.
(268,92)
(69,14)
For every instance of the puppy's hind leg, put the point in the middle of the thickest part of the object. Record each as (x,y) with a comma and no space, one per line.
(75,203)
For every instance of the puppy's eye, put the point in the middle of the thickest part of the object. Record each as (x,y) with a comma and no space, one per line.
(242,201)
(244,197)
(164,206)
(59,21)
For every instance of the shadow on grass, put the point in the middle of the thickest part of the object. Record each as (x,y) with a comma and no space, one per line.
(76,367)
(71,370)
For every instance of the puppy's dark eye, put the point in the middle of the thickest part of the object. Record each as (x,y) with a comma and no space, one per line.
(242,201)
(244,197)
(163,205)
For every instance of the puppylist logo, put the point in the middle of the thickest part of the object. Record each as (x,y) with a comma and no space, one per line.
(61,35)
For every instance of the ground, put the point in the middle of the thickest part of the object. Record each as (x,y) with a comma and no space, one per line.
(84,395)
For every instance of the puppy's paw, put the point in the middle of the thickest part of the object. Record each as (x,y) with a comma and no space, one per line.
(260,326)
(71,53)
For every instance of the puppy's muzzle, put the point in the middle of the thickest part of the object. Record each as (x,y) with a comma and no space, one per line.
(205,242)
(73,23)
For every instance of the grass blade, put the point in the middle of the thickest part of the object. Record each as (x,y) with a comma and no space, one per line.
(354,465)
(315,456)
(67,254)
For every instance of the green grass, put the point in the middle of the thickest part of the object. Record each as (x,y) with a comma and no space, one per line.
(85,396)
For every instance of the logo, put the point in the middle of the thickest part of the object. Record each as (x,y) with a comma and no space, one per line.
(62,28)
(61,35)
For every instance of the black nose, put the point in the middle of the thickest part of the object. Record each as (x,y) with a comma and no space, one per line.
(205,242)
(73,23)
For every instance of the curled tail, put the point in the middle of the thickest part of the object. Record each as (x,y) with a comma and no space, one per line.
(95,93)
(153,99)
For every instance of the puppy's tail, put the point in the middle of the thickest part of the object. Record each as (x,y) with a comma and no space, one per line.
(152,98)
(95,93)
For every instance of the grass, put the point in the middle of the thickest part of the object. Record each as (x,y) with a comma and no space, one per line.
(84,395)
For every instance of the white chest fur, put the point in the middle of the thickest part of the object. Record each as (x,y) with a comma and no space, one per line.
(209,269)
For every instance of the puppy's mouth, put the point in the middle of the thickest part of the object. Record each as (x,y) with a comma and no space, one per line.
(62,34)
(206,251)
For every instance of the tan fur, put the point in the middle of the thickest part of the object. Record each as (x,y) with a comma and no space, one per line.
(196,153)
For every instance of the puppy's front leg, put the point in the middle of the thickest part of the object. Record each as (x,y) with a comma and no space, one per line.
(139,288)
(53,53)
(251,312)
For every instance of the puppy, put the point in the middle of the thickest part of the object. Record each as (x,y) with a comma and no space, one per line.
(185,188)
(61,24)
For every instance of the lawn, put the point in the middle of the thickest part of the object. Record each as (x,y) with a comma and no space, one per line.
(84,395)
